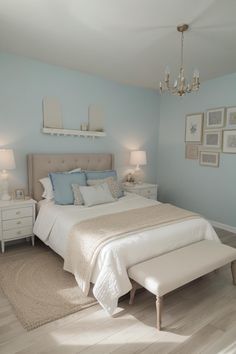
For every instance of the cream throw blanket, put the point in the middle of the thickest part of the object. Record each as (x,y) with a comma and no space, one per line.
(88,237)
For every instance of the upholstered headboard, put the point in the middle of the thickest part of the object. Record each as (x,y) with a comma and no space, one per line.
(40,165)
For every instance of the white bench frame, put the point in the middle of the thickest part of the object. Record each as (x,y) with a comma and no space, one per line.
(159,299)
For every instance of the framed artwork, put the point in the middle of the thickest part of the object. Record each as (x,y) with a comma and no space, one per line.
(209,158)
(193,128)
(191,151)
(19,194)
(215,118)
(212,139)
(229,141)
(231,118)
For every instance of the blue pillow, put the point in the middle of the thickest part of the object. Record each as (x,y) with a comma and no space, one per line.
(100,174)
(90,175)
(61,183)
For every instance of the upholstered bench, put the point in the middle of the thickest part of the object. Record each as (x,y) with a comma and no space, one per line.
(169,271)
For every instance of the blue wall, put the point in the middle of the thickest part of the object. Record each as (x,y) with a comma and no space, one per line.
(207,190)
(131,114)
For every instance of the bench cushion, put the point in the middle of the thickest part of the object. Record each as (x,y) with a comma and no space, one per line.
(167,272)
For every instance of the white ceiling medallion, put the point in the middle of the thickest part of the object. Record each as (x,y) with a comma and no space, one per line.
(181,86)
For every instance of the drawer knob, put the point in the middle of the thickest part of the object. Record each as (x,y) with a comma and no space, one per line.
(19,232)
(18,213)
(18,222)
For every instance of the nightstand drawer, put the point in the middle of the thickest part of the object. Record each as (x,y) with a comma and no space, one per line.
(9,214)
(147,192)
(16,223)
(20,232)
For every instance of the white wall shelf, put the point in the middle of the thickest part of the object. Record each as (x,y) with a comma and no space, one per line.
(73,132)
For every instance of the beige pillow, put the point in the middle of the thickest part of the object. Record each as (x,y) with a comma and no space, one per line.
(112,184)
(78,199)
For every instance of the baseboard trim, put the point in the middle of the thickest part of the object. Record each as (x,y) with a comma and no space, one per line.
(223,226)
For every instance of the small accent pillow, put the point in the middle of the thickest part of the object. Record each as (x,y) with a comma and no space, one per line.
(78,199)
(96,175)
(62,181)
(112,184)
(47,185)
(95,195)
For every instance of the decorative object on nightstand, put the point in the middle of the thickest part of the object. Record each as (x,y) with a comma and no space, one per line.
(16,220)
(138,158)
(146,190)
(7,162)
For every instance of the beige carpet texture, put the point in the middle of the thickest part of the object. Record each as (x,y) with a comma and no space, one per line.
(38,288)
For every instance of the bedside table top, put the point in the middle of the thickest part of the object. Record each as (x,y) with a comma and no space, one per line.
(139,185)
(15,202)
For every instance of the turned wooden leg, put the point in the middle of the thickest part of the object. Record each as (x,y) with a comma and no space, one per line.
(159,310)
(135,286)
(3,246)
(233,270)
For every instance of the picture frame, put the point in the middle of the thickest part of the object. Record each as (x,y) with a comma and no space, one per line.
(19,194)
(193,128)
(209,158)
(229,141)
(191,151)
(212,139)
(231,118)
(215,118)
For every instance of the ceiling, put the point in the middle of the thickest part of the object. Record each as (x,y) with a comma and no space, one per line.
(130,41)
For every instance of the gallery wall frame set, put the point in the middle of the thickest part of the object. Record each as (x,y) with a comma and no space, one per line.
(206,136)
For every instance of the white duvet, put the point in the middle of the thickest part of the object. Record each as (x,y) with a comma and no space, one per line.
(110,277)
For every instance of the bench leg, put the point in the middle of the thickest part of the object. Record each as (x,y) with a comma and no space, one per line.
(159,301)
(135,286)
(233,270)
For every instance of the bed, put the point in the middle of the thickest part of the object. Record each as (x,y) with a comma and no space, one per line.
(109,276)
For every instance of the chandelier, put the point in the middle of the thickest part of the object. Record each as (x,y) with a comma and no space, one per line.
(181,86)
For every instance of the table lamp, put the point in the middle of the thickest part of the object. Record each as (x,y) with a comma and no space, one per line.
(138,158)
(7,162)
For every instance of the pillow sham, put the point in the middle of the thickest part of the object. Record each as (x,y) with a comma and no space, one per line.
(48,190)
(62,181)
(94,195)
(91,175)
(112,184)
(47,185)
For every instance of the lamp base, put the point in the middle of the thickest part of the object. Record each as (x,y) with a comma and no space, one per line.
(5,195)
(138,176)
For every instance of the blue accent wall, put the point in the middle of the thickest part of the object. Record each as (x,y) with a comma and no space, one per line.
(135,118)
(207,190)
(131,114)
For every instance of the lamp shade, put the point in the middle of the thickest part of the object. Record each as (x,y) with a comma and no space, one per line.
(138,157)
(7,160)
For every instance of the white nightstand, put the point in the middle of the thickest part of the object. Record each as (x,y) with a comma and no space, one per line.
(146,190)
(16,220)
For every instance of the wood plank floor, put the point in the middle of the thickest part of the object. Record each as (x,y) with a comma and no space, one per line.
(198,318)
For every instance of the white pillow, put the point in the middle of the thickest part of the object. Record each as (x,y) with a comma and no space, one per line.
(47,185)
(75,170)
(95,195)
(48,190)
